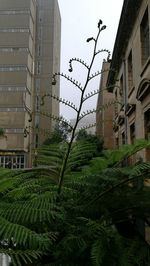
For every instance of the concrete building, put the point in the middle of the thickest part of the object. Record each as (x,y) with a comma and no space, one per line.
(131,79)
(30,34)
(104,115)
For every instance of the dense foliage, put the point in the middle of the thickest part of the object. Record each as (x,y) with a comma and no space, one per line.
(94,221)
(84,136)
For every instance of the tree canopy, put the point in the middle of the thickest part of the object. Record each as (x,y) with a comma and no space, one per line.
(59,134)
(84,136)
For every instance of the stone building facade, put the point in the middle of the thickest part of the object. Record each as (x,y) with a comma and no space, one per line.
(104,114)
(131,78)
(30,34)
(129,81)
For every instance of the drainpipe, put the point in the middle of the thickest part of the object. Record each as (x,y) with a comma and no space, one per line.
(125,100)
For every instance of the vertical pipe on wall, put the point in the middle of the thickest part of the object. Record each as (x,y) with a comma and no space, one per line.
(125,100)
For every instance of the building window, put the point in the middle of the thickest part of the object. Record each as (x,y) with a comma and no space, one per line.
(37,85)
(145,45)
(37,121)
(147,131)
(38,70)
(40,16)
(132,133)
(130,72)
(40,33)
(12,161)
(121,90)
(39,50)
(37,103)
(123,138)
(132,158)
(117,142)
(36,141)
(116,103)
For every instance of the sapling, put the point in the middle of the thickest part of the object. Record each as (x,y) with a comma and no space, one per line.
(84,96)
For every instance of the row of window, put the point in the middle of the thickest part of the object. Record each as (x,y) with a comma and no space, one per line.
(14,12)
(14,30)
(13,88)
(146,129)
(145,38)
(14,130)
(145,47)
(13,49)
(12,109)
(132,133)
(12,161)
(145,53)
(11,68)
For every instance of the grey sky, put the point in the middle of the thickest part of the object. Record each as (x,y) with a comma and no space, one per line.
(79,21)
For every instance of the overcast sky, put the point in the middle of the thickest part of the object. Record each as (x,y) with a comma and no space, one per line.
(79,22)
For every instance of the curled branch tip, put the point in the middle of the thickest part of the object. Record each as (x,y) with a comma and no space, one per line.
(90,39)
(99,23)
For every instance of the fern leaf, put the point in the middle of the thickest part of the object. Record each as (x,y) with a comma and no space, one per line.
(22,236)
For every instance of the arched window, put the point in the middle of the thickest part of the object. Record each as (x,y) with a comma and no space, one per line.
(143,90)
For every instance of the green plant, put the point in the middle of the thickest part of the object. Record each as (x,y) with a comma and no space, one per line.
(92,217)
(83,96)
(84,136)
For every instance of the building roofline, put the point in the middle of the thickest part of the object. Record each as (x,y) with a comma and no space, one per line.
(127,19)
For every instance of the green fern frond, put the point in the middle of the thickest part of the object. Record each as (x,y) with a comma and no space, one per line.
(31,190)
(140,169)
(44,201)
(96,228)
(22,236)
(142,257)
(98,252)
(7,183)
(116,156)
(21,214)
